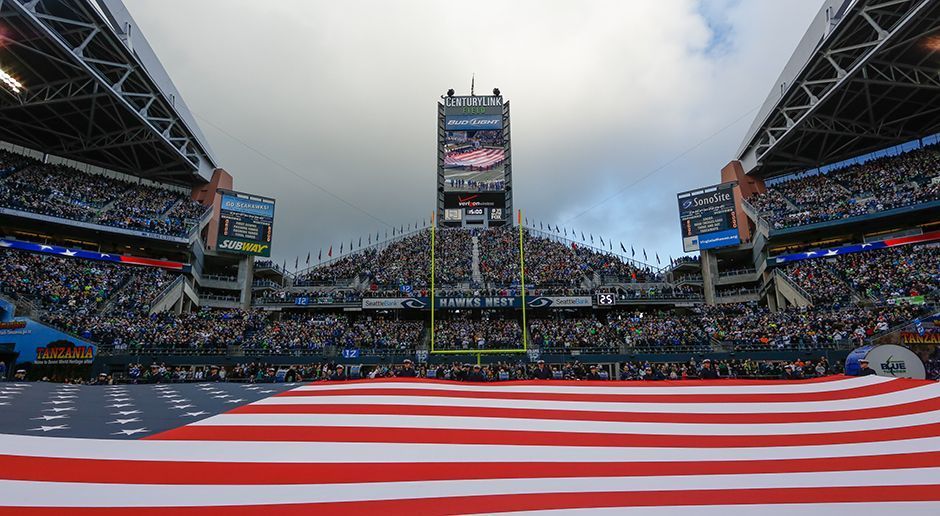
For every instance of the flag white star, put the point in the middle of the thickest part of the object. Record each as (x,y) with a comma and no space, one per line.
(47,418)
(4,243)
(125,412)
(119,400)
(176,400)
(4,403)
(268,391)
(120,421)
(57,402)
(181,406)
(65,396)
(832,252)
(120,405)
(45,428)
(130,431)
(45,247)
(201,412)
(57,409)
(105,255)
(69,253)
(236,400)
(220,396)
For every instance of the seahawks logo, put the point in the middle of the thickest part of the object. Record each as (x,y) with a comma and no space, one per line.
(540,302)
(414,304)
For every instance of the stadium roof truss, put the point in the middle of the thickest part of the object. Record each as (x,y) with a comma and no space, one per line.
(871,81)
(87,96)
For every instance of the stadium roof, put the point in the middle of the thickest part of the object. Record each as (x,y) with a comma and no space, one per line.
(865,76)
(94,91)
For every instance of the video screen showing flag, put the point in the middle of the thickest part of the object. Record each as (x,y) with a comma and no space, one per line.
(474,150)
(245,224)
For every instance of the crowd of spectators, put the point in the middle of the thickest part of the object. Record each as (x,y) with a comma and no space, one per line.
(464,333)
(547,261)
(874,186)
(879,276)
(405,261)
(60,191)
(61,284)
(301,333)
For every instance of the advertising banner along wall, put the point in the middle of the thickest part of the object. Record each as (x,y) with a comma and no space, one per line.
(445,303)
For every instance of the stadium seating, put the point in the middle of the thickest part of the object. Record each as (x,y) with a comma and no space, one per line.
(874,186)
(68,193)
(463,333)
(876,276)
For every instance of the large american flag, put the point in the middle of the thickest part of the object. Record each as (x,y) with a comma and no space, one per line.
(867,445)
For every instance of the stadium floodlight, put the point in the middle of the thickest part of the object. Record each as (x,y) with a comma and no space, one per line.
(450,92)
(496,91)
(11,83)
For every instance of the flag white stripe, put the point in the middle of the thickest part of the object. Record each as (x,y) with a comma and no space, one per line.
(327,452)
(550,387)
(77,494)
(553,425)
(928,391)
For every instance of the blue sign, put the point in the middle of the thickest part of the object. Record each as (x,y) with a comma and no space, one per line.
(302,301)
(719,239)
(350,353)
(407,289)
(241,205)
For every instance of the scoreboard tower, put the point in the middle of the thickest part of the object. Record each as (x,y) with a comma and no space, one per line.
(474,161)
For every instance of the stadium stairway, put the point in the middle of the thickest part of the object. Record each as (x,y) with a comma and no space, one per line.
(476,275)
(789,292)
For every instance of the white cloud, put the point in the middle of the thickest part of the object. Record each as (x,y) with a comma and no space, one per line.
(602,92)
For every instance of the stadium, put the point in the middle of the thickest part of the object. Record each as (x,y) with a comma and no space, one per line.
(155,356)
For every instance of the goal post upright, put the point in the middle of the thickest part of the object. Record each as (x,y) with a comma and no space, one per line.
(433,225)
(525,338)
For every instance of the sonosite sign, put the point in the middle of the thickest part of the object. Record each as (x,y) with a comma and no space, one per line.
(245,224)
(708,218)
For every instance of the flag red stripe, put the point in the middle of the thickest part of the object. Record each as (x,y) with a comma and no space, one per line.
(532,438)
(915,407)
(111,471)
(539,501)
(856,392)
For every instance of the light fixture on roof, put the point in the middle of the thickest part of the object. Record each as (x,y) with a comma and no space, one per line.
(11,83)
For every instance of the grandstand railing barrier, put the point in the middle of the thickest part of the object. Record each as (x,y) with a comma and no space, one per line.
(174,289)
(893,334)
(201,222)
(763,226)
(856,220)
(94,226)
(782,276)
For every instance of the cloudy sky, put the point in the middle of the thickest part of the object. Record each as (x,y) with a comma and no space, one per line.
(329,107)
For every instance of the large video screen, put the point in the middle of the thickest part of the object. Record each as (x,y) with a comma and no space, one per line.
(708,218)
(245,224)
(474,150)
